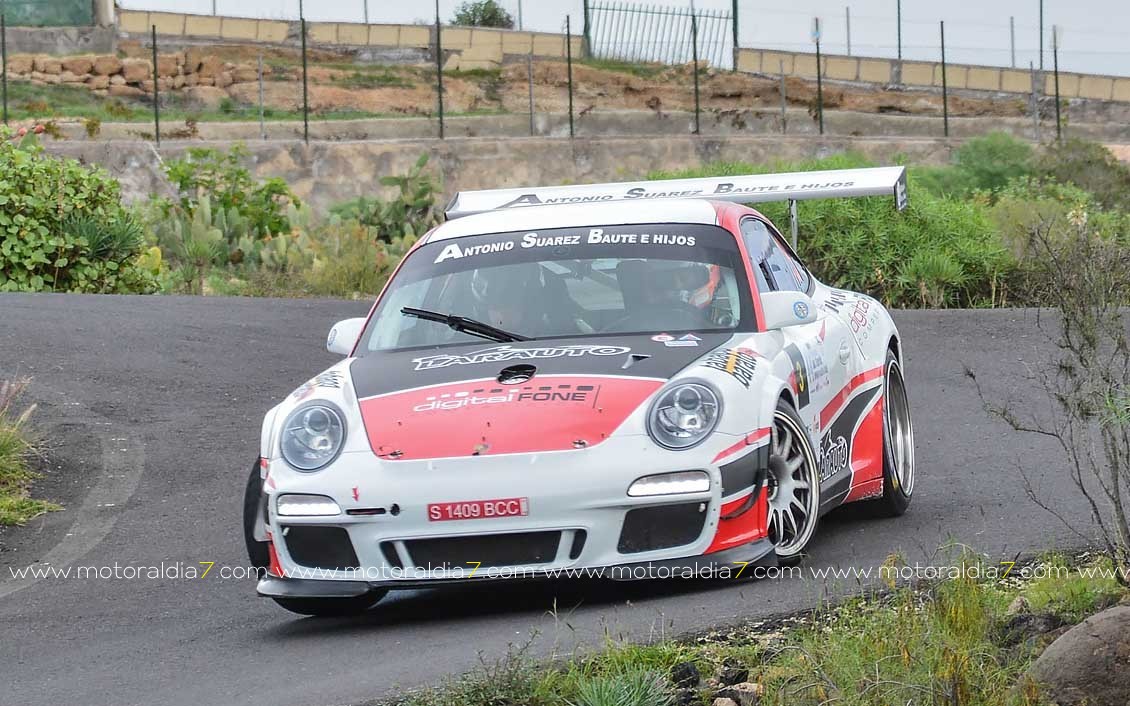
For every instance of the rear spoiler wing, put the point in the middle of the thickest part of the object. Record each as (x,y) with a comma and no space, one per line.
(753,188)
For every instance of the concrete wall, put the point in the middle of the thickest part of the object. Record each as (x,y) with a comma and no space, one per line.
(325,173)
(60,40)
(465,48)
(918,74)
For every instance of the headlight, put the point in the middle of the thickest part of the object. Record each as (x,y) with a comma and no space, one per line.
(683,415)
(312,436)
(292,505)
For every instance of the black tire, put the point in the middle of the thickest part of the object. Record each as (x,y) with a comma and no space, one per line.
(331,607)
(898,486)
(258,553)
(790,436)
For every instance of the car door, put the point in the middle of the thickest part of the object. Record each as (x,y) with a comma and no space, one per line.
(820,353)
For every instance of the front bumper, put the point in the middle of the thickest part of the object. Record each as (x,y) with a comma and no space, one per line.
(580,521)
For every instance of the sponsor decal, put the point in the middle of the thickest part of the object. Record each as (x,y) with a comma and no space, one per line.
(499,354)
(595,236)
(739,363)
(639,192)
(453,251)
(330,379)
(800,310)
(862,316)
(356,493)
(583,394)
(671,342)
(834,454)
(798,378)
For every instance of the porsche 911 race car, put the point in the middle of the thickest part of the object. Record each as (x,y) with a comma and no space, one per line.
(621,380)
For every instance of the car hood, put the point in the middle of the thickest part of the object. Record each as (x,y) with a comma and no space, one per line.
(474,399)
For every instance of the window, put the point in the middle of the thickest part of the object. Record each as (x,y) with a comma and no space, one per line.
(568,282)
(776,267)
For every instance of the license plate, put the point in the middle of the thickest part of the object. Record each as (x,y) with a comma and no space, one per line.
(478,509)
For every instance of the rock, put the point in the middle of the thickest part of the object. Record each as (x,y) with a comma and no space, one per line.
(223,79)
(1019,605)
(685,675)
(21,64)
(117,80)
(48,65)
(732,672)
(97,82)
(125,91)
(686,697)
(244,74)
(744,694)
(68,77)
(207,97)
(106,65)
(1027,625)
(168,65)
(1090,663)
(178,81)
(193,57)
(723,701)
(137,70)
(205,80)
(210,66)
(44,79)
(191,80)
(78,65)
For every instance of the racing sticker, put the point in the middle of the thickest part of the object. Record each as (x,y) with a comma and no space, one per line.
(329,379)
(860,311)
(559,394)
(739,363)
(499,354)
(594,236)
(834,454)
(687,341)
(798,378)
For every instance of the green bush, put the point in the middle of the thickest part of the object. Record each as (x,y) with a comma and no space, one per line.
(1089,166)
(63,227)
(411,214)
(939,252)
(483,13)
(230,186)
(986,163)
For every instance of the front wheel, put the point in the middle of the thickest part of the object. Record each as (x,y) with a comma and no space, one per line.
(332,607)
(898,444)
(793,486)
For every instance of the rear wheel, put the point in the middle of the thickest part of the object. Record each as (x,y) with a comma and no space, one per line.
(331,607)
(898,444)
(793,485)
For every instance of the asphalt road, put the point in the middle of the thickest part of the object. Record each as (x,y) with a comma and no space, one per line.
(152,406)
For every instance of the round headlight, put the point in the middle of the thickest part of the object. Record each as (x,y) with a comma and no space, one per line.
(684,415)
(312,436)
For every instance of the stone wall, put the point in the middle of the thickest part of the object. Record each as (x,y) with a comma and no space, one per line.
(326,173)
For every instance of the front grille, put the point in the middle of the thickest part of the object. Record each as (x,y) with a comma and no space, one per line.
(484,550)
(661,527)
(320,547)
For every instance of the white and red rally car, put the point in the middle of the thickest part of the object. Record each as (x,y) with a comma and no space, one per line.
(641,380)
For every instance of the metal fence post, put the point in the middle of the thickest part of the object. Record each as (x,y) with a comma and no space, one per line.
(945,90)
(1041,36)
(1055,70)
(530,80)
(898,22)
(784,101)
(439,70)
(847,19)
(1035,103)
(156,91)
(1012,40)
(694,60)
(305,89)
(734,23)
(819,81)
(4,62)
(367,11)
(569,68)
(262,127)
(588,29)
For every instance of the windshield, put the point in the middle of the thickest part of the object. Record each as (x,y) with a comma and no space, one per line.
(567,282)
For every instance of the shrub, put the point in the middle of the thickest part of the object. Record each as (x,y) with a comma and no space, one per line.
(349,262)
(986,163)
(1089,166)
(16,446)
(412,213)
(939,252)
(483,13)
(229,185)
(63,227)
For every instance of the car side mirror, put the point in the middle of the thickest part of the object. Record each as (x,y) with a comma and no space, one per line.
(782,309)
(343,336)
